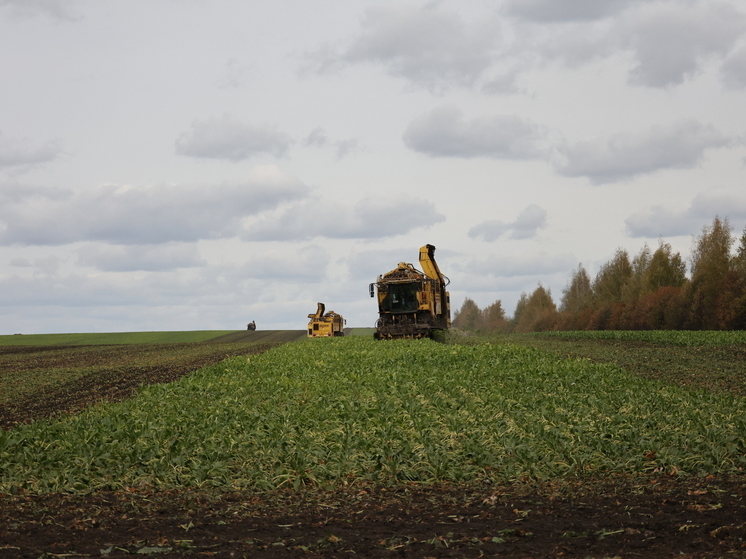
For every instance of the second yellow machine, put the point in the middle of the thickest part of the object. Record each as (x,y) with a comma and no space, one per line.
(325,324)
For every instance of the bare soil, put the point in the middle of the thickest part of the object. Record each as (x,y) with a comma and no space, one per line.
(658,516)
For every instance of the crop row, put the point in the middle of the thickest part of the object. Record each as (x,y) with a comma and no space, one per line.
(26,371)
(348,409)
(670,337)
(106,338)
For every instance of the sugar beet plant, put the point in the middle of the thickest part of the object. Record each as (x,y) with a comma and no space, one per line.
(666,337)
(326,411)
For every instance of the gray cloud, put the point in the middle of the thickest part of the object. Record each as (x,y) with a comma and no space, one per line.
(20,152)
(424,44)
(179,295)
(671,43)
(621,157)
(74,290)
(308,265)
(130,215)
(14,193)
(526,225)
(343,148)
(369,219)
(57,9)
(659,221)
(565,10)
(226,137)
(234,74)
(131,258)
(733,72)
(437,49)
(318,138)
(530,264)
(444,132)
(367,265)
(46,266)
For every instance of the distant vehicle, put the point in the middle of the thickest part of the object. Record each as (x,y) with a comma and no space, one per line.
(251,325)
(325,324)
(411,303)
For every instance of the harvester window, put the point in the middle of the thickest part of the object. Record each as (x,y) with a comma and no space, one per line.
(401,298)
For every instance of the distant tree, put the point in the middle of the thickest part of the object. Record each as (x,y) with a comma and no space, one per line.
(608,286)
(652,294)
(493,317)
(710,265)
(578,294)
(739,266)
(520,307)
(657,310)
(468,317)
(537,311)
(666,269)
(651,291)
(731,313)
(635,286)
(739,261)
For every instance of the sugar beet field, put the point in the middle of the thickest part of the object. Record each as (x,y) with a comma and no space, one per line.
(273,445)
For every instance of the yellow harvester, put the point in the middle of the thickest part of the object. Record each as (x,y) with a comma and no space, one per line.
(325,324)
(411,303)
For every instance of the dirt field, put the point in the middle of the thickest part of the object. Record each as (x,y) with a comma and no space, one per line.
(662,516)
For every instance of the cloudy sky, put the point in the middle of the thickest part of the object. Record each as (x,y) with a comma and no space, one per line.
(195,164)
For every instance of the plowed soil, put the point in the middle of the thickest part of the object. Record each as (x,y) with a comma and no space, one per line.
(660,516)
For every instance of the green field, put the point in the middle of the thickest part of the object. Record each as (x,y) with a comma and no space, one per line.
(116,338)
(106,338)
(329,411)
(361,332)
(669,337)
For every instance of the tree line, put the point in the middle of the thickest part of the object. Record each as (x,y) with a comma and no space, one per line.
(649,291)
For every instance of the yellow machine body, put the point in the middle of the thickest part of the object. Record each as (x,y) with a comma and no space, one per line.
(325,324)
(412,303)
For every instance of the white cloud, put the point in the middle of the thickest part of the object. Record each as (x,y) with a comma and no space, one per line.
(226,137)
(368,219)
(20,152)
(526,225)
(662,221)
(444,132)
(143,215)
(624,156)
